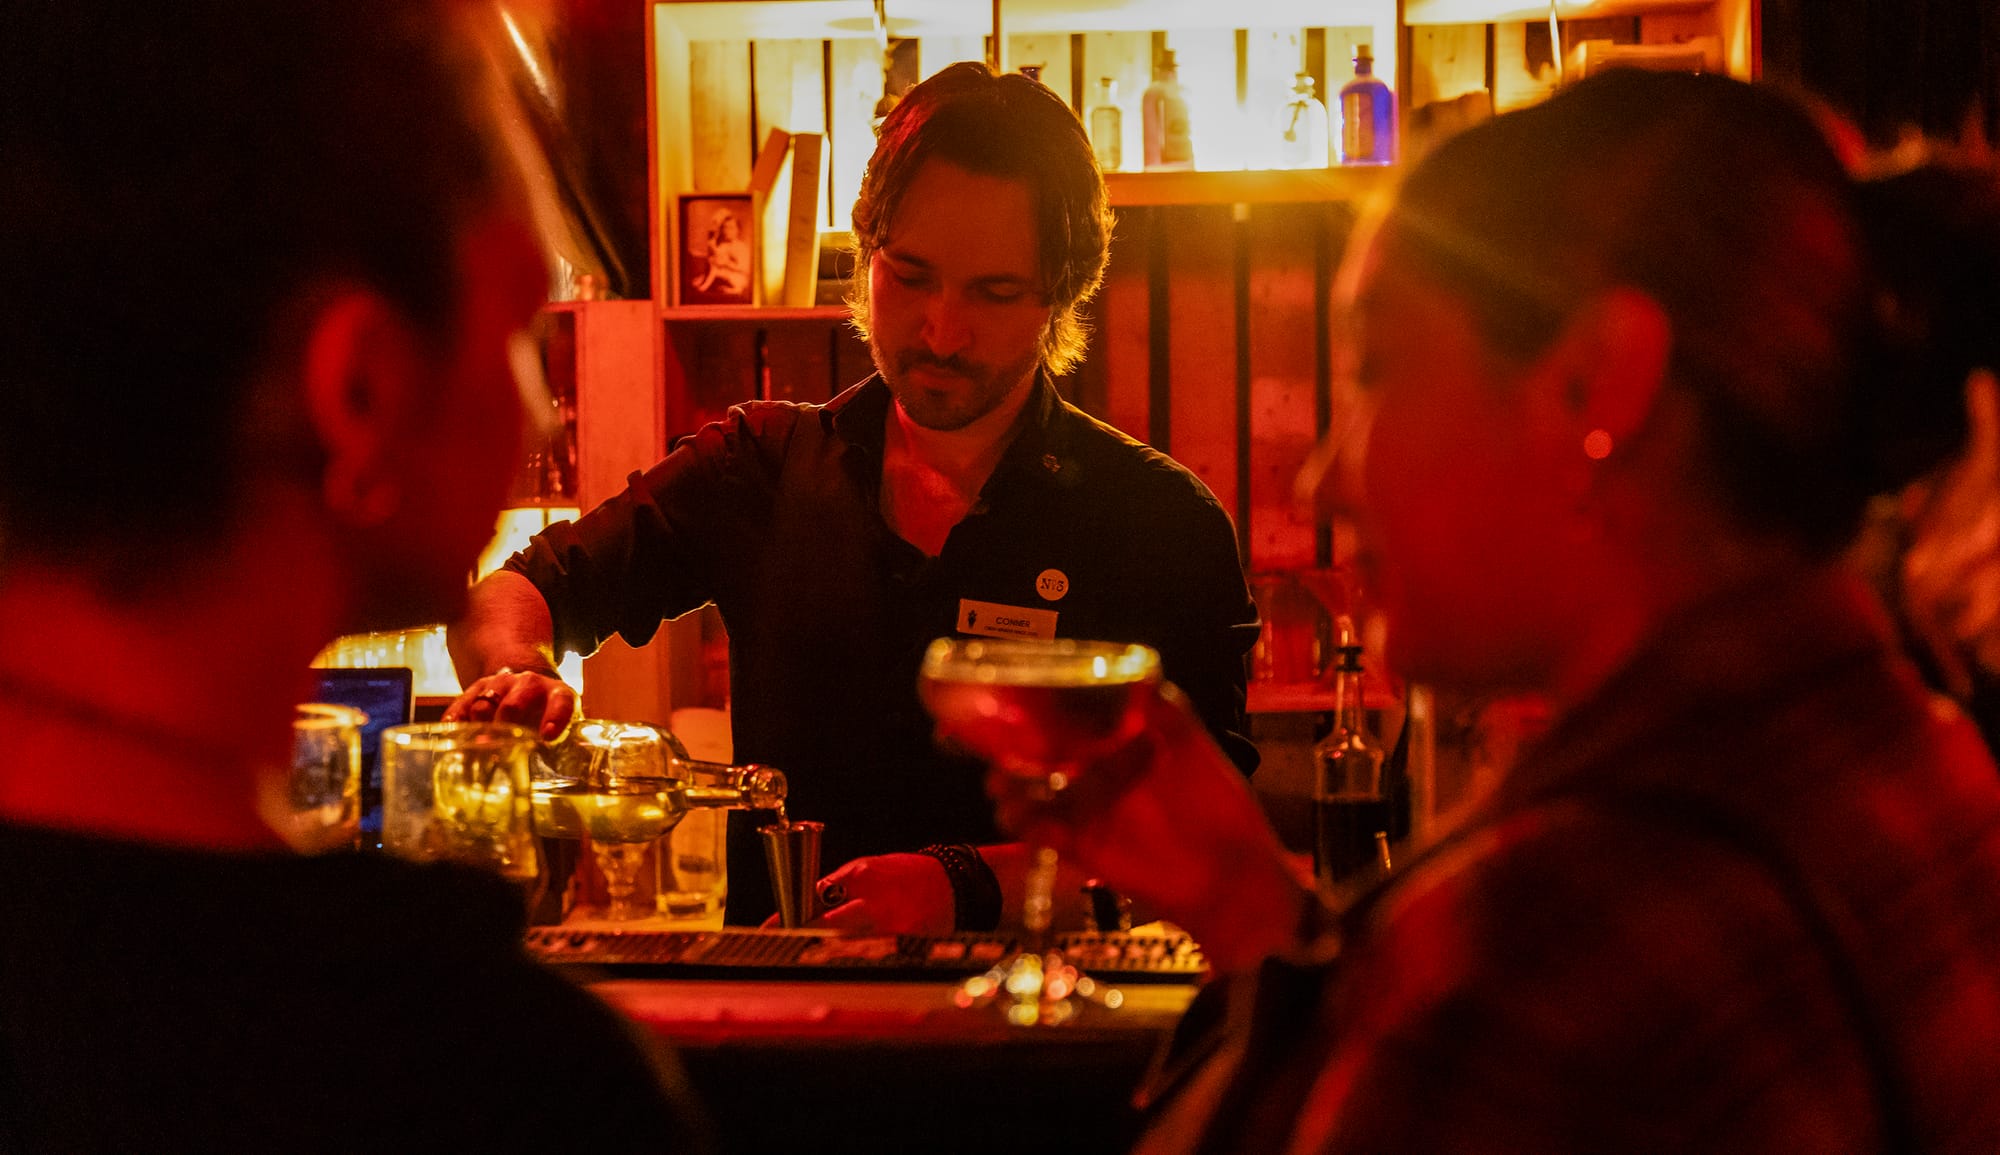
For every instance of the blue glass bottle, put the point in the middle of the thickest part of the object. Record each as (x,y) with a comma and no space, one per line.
(1367,115)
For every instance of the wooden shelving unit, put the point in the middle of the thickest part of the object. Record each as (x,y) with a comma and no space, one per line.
(1212,336)
(759,314)
(1295,186)
(1517,11)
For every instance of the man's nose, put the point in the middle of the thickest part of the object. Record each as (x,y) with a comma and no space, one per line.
(946,329)
(1331,482)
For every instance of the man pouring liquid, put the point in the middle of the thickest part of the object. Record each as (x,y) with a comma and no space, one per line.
(953,492)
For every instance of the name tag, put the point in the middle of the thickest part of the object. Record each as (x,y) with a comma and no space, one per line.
(993,620)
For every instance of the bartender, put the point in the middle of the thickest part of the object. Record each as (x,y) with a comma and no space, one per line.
(953,492)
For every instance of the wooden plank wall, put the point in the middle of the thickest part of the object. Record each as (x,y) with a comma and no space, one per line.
(712,365)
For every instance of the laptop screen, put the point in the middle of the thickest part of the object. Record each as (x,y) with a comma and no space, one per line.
(385,695)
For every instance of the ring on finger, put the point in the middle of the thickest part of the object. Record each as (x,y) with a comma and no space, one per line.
(832,894)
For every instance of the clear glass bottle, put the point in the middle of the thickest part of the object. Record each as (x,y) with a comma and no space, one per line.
(1352,819)
(630,793)
(1169,134)
(1302,127)
(1107,126)
(691,876)
(719,787)
(1367,115)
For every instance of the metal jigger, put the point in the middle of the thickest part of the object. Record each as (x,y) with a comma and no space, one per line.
(791,850)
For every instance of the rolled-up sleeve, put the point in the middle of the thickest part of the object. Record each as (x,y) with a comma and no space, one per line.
(648,554)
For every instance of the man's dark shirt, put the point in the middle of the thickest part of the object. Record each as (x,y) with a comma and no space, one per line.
(772,514)
(173,1000)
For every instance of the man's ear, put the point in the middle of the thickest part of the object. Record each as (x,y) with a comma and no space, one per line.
(361,367)
(1611,361)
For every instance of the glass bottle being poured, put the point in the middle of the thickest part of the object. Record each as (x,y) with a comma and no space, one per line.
(629,782)
(622,785)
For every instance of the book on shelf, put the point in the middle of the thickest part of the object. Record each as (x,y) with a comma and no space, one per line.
(765,187)
(802,222)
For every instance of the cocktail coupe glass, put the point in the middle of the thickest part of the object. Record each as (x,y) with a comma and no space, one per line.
(1041,712)
(613,783)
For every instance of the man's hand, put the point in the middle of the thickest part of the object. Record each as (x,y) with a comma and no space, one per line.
(529,698)
(888,894)
(501,650)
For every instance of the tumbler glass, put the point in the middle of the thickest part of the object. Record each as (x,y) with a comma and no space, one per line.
(461,791)
(319,808)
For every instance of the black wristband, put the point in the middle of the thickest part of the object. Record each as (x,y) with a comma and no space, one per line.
(975,891)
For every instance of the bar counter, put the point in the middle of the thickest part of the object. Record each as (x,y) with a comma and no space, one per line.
(825,1064)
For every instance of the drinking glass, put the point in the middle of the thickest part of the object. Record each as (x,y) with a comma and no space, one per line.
(460,791)
(320,807)
(612,782)
(694,861)
(1043,712)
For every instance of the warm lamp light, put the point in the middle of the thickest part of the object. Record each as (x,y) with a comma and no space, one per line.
(423,650)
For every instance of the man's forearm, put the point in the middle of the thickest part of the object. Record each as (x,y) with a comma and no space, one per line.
(506,625)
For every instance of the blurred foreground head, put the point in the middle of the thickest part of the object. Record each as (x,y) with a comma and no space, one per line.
(1648,323)
(256,256)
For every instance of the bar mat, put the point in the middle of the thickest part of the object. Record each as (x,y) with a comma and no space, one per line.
(807,955)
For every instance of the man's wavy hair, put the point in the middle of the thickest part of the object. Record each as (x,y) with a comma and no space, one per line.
(1007,126)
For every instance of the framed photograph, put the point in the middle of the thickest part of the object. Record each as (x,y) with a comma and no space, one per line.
(716,261)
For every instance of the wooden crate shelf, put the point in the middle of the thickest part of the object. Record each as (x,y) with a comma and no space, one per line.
(1135,189)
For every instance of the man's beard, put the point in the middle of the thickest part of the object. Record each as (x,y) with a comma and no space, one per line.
(988,385)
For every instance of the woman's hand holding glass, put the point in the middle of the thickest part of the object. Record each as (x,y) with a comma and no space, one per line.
(1168,821)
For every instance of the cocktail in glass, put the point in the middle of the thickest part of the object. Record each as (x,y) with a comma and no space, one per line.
(1041,712)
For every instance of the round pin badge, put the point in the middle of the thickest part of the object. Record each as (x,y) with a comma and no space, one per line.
(1052,584)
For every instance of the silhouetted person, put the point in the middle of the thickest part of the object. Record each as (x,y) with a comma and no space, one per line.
(261,274)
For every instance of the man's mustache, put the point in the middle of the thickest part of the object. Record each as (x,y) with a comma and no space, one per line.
(952,365)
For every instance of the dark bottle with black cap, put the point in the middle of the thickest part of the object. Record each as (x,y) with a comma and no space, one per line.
(1353,816)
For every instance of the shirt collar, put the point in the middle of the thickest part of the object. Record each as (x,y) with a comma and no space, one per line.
(1040,448)
(856,415)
